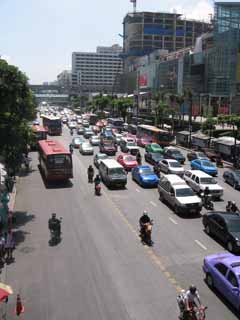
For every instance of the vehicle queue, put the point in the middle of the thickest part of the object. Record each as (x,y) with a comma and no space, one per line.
(183,189)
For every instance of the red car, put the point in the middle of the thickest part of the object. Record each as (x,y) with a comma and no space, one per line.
(142,142)
(127,161)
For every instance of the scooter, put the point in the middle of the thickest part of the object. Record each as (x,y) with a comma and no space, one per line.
(90,177)
(98,189)
(146,233)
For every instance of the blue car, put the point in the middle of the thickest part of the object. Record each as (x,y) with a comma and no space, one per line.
(145,176)
(222,271)
(205,166)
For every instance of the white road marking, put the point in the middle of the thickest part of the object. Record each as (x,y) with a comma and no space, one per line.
(173,221)
(200,244)
(153,203)
(137,190)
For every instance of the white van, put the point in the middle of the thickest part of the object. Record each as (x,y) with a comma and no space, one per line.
(199,180)
(112,173)
(178,194)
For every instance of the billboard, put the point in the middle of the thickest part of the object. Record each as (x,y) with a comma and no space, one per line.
(143,80)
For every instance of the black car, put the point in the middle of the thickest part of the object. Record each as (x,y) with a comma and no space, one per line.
(172,153)
(233,178)
(225,226)
(192,155)
(153,157)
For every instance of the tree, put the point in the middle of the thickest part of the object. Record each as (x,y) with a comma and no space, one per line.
(122,105)
(17,108)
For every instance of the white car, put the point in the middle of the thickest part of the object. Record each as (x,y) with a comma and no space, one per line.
(72,125)
(199,180)
(118,137)
(86,148)
(171,166)
(94,140)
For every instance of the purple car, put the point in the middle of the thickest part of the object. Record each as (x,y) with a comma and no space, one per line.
(222,272)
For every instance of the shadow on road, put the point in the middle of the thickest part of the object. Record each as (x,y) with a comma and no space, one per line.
(21,218)
(19,236)
(25,172)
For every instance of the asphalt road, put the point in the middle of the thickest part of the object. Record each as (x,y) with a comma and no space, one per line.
(100,270)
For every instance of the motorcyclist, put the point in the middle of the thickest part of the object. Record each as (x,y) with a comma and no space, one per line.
(71,132)
(156,169)
(54,224)
(97,180)
(229,206)
(90,173)
(71,147)
(143,220)
(234,207)
(139,158)
(192,298)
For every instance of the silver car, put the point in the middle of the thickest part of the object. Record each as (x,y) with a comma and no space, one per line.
(86,148)
(171,166)
(94,140)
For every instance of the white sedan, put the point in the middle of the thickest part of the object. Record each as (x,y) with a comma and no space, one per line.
(86,148)
(94,140)
(171,166)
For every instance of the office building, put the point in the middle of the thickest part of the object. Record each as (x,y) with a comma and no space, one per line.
(144,32)
(97,71)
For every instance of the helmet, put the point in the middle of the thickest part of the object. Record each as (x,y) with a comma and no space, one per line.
(145,212)
(192,289)
(53,215)
(233,203)
(207,188)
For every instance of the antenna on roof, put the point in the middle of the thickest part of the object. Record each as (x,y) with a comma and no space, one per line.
(134,2)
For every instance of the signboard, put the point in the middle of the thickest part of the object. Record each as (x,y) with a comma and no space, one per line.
(143,80)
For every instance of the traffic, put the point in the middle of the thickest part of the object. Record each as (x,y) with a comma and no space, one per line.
(160,178)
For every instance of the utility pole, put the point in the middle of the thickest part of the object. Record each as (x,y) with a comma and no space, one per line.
(190,118)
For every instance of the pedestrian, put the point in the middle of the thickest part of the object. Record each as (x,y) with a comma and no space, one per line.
(2,248)
(9,245)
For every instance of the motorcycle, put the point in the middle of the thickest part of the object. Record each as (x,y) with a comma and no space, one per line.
(219,162)
(55,235)
(98,189)
(90,177)
(156,170)
(196,313)
(146,233)
(71,149)
(71,132)
(207,202)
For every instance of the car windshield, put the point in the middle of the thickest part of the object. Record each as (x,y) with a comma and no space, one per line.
(157,156)
(207,164)
(116,171)
(155,145)
(86,145)
(237,173)
(77,140)
(95,137)
(234,225)
(201,155)
(208,180)
(129,158)
(184,192)
(176,152)
(175,164)
(131,144)
(102,156)
(145,172)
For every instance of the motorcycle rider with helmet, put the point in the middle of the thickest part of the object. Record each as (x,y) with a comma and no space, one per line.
(229,206)
(234,207)
(71,148)
(139,158)
(191,300)
(54,224)
(90,172)
(144,219)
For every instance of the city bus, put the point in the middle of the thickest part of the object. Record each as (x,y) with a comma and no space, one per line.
(39,133)
(55,161)
(52,124)
(160,136)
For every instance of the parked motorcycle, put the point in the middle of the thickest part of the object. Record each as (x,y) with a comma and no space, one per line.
(146,233)
(98,189)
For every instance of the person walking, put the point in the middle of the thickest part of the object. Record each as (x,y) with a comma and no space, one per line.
(9,245)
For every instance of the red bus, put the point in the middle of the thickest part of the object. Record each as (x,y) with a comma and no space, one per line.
(55,161)
(40,133)
(52,124)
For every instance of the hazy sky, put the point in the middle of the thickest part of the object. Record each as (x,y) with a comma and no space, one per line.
(39,35)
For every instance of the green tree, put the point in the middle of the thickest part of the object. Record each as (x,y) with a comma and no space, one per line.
(121,106)
(17,108)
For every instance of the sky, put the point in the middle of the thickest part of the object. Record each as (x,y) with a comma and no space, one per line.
(39,36)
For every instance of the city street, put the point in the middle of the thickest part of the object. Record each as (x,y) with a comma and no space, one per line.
(101,270)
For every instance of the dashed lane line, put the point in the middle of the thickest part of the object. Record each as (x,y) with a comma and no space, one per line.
(137,190)
(173,221)
(153,203)
(200,244)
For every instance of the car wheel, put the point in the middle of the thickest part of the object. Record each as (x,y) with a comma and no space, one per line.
(207,229)
(235,186)
(176,209)
(230,246)
(209,280)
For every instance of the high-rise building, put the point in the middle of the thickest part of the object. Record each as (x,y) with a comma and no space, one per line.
(144,32)
(96,71)
(64,79)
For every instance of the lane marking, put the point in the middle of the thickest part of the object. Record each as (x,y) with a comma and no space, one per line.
(173,221)
(137,190)
(200,244)
(153,203)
